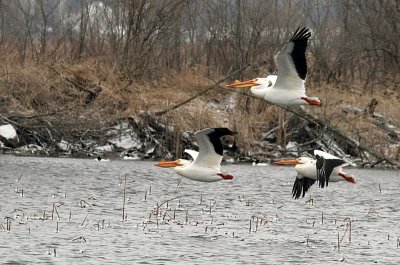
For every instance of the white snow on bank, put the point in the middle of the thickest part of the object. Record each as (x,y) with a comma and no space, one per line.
(64,146)
(7,131)
(126,141)
(293,147)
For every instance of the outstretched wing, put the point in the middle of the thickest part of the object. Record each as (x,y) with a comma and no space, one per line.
(292,63)
(210,147)
(193,154)
(325,167)
(301,186)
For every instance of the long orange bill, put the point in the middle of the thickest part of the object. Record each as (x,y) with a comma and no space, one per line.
(168,164)
(287,162)
(238,84)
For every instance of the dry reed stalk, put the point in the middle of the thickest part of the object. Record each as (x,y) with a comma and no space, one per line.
(380,190)
(322,218)
(84,219)
(250,225)
(338,242)
(69,218)
(123,202)
(57,227)
(350,230)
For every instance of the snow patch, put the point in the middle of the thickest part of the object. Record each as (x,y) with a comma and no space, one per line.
(292,146)
(104,148)
(126,141)
(7,131)
(64,146)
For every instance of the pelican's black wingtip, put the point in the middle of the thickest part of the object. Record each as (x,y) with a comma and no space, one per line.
(301,34)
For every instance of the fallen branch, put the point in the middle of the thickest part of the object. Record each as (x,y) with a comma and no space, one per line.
(216,84)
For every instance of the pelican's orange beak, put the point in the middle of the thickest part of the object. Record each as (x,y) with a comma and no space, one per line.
(287,162)
(175,163)
(238,84)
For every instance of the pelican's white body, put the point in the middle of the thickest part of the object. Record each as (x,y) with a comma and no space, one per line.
(308,168)
(204,174)
(206,166)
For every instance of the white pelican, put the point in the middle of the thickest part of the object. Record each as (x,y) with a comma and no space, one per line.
(324,169)
(287,87)
(206,167)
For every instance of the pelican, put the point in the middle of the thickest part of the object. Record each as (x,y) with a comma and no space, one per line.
(206,166)
(287,87)
(324,168)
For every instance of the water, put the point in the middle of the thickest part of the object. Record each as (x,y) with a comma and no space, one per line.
(88,198)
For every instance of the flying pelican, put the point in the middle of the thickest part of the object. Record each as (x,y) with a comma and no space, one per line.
(206,167)
(324,169)
(287,87)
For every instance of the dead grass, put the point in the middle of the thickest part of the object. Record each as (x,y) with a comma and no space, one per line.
(37,89)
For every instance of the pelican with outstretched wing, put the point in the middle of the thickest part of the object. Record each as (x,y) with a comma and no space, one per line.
(287,86)
(206,166)
(324,168)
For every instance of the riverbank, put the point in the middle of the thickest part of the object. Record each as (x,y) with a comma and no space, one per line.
(89,110)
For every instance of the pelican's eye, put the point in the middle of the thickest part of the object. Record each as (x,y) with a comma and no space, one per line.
(269,83)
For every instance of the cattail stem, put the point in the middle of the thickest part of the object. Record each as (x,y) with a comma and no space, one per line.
(350,230)
(123,203)
(250,226)
(84,219)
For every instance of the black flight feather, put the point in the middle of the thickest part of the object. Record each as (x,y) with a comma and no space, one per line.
(300,40)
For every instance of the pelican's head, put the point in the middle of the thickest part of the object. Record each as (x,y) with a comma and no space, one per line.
(257,86)
(300,160)
(175,163)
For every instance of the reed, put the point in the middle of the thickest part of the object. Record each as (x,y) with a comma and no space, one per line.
(123,202)
(250,225)
(84,219)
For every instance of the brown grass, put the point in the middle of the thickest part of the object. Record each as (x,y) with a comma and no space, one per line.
(38,89)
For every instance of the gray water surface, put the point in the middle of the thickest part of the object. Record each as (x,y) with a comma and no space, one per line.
(69,211)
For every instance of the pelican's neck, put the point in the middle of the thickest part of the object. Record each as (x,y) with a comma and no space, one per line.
(258,92)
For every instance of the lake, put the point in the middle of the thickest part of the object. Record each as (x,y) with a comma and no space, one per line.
(70,211)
